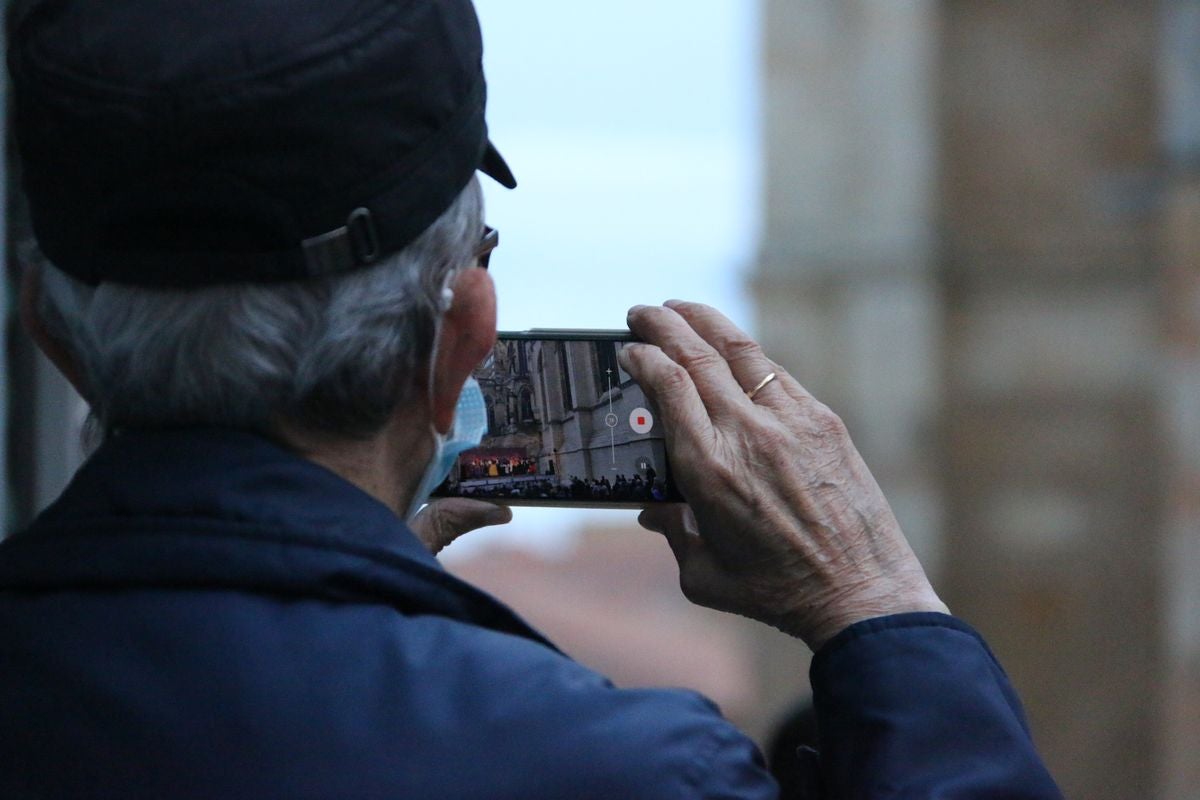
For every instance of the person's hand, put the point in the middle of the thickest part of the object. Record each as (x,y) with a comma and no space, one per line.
(784,522)
(442,521)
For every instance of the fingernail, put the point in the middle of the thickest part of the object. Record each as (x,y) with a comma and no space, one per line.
(673,303)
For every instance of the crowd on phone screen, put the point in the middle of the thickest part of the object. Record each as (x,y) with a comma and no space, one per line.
(477,467)
(621,489)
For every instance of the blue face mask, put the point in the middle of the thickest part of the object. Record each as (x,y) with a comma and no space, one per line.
(470,423)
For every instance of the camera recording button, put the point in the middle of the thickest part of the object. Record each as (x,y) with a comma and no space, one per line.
(641,420)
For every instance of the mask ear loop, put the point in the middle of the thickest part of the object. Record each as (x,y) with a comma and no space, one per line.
(445,300)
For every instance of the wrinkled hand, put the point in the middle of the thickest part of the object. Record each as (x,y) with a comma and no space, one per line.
(784,522)
(442,521)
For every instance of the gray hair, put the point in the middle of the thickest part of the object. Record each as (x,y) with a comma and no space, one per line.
(335,354)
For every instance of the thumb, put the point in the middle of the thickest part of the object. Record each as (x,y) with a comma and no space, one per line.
(443,521)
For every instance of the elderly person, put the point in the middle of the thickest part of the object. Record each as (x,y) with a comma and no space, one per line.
(262,242)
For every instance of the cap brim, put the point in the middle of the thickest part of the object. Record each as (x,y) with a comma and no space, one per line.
(494,166)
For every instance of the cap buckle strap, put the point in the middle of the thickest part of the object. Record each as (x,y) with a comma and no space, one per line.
(353,245)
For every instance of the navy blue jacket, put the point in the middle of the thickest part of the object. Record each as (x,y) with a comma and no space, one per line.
(203,614)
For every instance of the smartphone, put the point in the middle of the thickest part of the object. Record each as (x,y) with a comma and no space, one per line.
(566,427)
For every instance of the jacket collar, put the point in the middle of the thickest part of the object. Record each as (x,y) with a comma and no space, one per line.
(222,509)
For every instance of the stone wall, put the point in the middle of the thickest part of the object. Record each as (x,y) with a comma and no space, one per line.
(982,248)
(1179,698)
(1054,449)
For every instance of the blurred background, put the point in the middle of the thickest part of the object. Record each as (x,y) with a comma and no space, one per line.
(971,227)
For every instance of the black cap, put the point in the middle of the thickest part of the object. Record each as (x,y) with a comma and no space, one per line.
(194,142)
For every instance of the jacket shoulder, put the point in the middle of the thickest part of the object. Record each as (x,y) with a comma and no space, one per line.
(587,738)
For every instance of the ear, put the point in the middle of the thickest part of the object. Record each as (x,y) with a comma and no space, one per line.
(59,355)
(468,335)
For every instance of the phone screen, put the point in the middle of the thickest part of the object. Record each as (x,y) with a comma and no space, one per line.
(566,426)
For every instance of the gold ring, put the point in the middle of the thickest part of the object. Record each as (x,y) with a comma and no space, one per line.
(760,386)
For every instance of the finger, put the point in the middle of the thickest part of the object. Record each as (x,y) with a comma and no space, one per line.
(443,521)
(670,389)
(700,575)
(745,357)
(667,517)
(714,382)
(676,523)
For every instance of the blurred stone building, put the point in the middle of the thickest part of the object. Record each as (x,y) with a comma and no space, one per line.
(982,247)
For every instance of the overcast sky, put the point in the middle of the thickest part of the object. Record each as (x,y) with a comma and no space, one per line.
(632,128)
